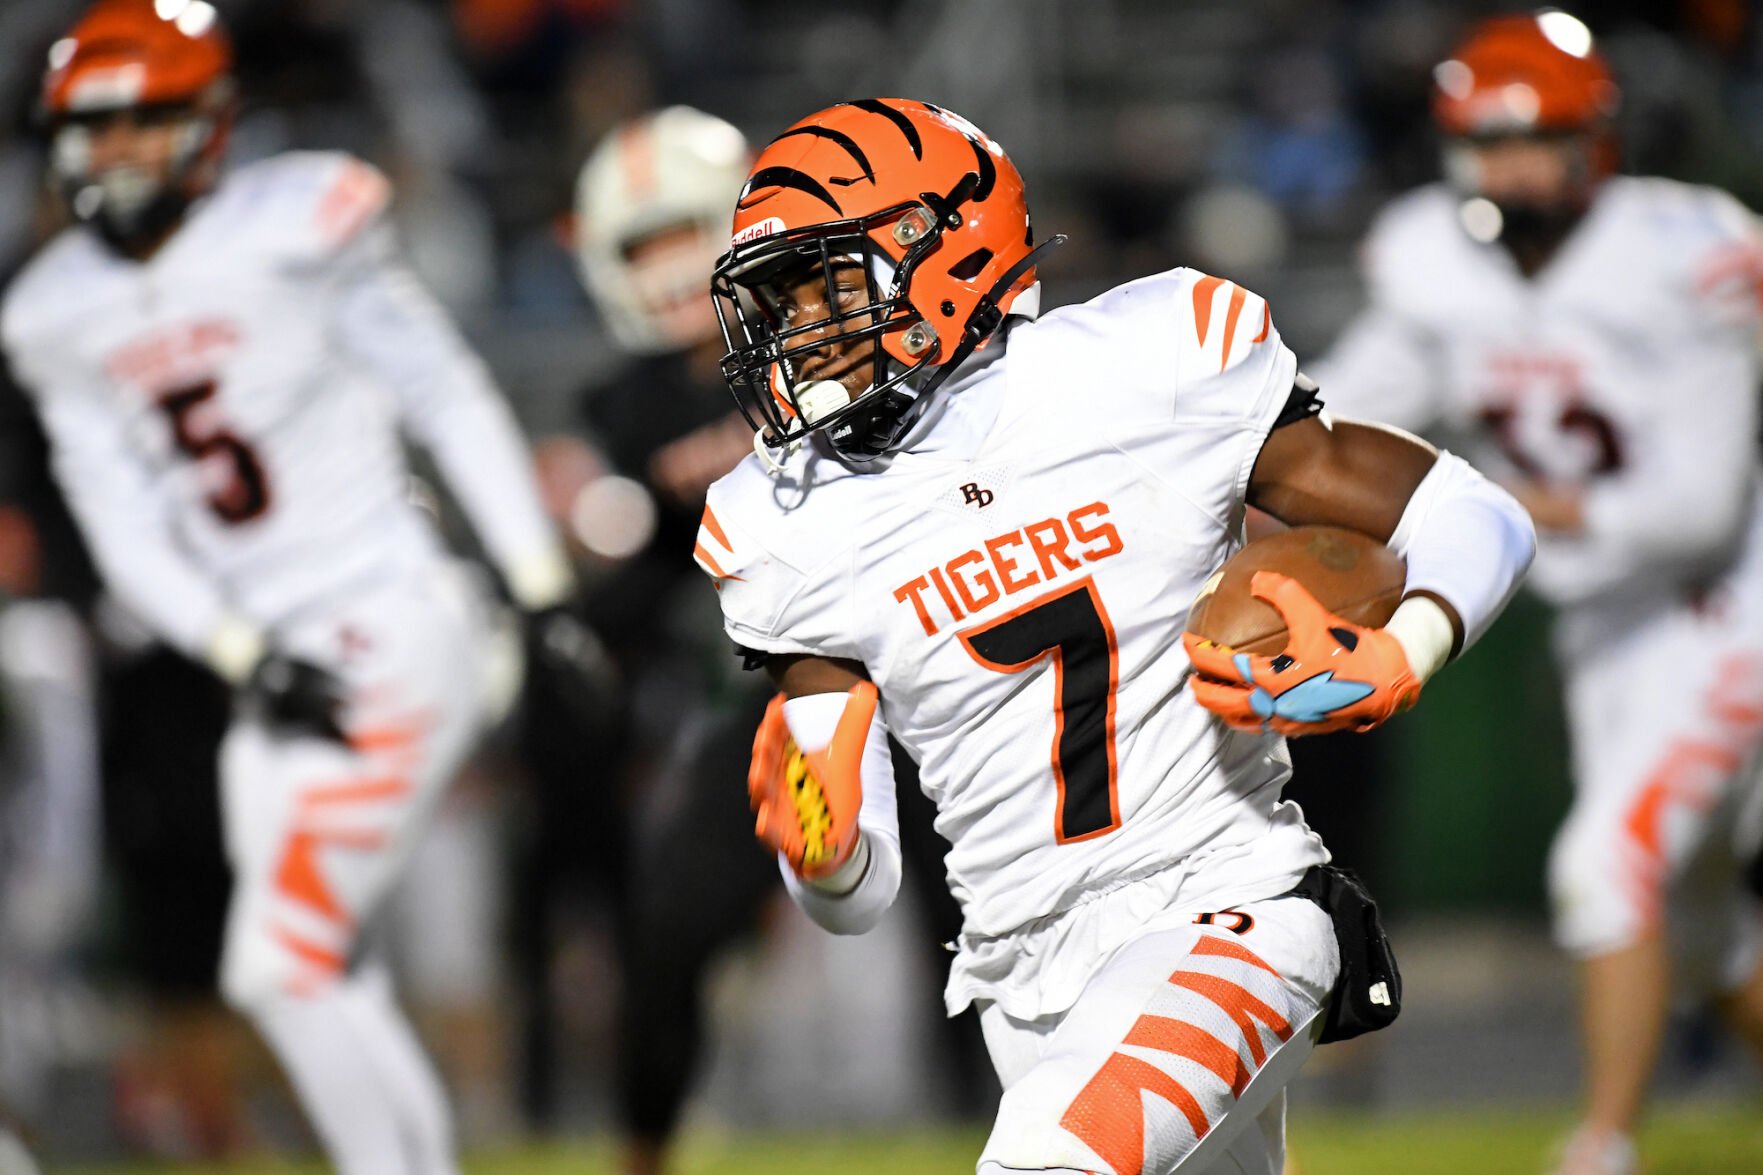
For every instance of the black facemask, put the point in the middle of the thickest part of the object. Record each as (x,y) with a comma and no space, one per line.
(1534,231)
(876,424)
(142,226)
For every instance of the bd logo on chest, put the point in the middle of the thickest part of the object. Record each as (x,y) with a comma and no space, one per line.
(1015,561)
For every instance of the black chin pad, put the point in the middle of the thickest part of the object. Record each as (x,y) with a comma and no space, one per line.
(873,426)
(1536,226)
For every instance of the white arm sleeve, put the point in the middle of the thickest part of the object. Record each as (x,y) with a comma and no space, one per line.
(122,512)
(383,316)
(851,904)
(1465,540)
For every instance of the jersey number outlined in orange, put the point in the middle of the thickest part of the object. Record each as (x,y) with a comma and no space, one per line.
(1071,626)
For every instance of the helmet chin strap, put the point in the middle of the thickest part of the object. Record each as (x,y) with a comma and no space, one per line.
(761,450)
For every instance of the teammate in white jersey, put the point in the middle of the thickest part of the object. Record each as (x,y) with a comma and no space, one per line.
(1596,335)
(980,532)
(224,366)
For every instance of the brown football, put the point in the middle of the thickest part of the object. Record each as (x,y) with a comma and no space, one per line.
(1354,576)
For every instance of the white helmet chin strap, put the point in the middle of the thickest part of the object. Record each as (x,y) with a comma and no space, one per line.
(761,450)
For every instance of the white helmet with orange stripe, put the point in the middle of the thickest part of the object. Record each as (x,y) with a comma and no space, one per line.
(652,207)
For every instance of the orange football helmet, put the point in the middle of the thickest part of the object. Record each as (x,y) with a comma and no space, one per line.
(935,214)
(1535,73)
(163,61)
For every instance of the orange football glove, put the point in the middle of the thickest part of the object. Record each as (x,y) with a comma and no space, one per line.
(807,801)
(1333,674)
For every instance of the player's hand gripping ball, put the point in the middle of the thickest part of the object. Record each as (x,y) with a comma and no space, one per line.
(1269,654)
(806,802)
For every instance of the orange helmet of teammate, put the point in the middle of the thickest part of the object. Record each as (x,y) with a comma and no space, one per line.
(1534,73)
(164,63)
(927,209)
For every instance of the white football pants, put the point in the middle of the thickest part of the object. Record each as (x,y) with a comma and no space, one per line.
(317,832)
(1665,714)
(1211,1021)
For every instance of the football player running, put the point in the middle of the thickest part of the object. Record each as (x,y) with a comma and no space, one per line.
(1596,335)
(979,529)
(652,208)
(223,366)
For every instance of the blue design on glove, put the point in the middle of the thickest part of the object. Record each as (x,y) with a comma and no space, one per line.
(1312,700)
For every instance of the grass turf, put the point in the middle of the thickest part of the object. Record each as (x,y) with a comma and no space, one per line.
(1678,1141)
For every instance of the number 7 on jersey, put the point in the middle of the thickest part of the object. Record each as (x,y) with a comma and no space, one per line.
(1072,627)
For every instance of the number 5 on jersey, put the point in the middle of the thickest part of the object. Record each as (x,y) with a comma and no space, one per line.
(244,494)
(1071,626)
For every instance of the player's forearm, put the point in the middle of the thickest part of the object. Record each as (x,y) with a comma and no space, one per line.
(143,569)
(1687,491)
(451,407)
(1662,528)
(179,607)
(481,454)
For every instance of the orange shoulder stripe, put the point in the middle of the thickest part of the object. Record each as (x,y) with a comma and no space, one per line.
(1237,297)
(1203,291)
(708,562)
(715,528)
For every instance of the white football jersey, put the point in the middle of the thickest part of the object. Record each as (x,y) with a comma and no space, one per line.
(1627,367)
(1017,579)
(225,416)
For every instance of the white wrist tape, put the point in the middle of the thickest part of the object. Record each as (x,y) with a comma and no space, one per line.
(234,648)
(539,579)
(1425,633)
(1466,541)
(844,879)
(813,718)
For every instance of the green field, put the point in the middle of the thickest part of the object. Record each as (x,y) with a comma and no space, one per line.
(1726,1141)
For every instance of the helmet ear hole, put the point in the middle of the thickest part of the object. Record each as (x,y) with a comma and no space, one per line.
(969,266)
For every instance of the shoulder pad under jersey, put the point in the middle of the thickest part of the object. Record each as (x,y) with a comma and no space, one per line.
(1151,347)
(1708,245)
(302,205)
(781,581)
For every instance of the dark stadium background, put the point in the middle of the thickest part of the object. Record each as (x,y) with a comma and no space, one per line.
(1252,138)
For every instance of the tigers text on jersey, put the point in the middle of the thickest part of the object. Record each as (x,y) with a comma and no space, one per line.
(1626,367)
(225,415)
(1016,581)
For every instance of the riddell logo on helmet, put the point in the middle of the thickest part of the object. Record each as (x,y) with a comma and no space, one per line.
(765,228)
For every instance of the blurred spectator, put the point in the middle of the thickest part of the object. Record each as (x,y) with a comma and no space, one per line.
(1296,143)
